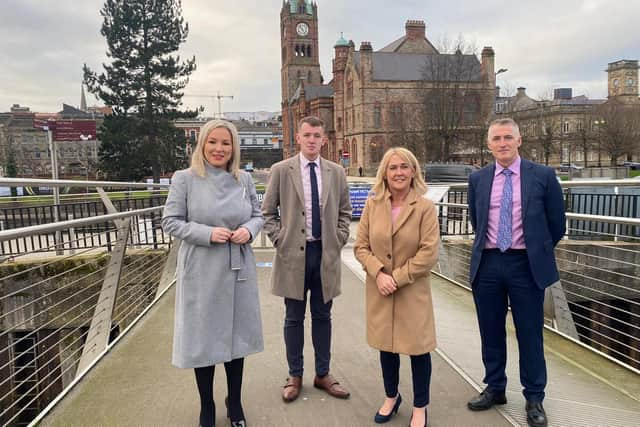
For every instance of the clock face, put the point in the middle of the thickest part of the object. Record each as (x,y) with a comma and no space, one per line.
(616,82)
(302,29)
(629,81)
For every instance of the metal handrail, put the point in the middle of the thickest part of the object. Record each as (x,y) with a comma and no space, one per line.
(18,182)
(582,217)
(63,225)
(570,184)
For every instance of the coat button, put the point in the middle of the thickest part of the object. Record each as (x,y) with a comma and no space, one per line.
(302,248)
(302,230)
(389,256)
(302,213)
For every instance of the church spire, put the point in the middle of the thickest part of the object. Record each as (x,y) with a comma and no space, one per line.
(83,99)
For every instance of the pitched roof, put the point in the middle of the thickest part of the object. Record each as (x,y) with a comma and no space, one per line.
(313,92)
(427,67)
(397,44)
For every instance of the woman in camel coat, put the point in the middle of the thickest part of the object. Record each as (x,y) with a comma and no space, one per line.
(397,245)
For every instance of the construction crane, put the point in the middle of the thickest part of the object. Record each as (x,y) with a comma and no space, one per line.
(217,95)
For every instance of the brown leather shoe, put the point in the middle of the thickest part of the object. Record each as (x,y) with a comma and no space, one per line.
(331,386)
(291,389)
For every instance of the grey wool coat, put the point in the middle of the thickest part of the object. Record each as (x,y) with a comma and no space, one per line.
(283,209)
(217,310)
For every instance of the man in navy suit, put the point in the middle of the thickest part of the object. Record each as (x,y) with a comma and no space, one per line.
(517,212)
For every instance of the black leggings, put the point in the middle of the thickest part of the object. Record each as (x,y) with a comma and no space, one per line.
(420,370)
(204,380)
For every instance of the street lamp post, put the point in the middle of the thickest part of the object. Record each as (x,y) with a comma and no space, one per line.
(51,126)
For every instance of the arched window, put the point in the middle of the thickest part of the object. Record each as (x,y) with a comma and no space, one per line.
(309,77)
(354,151)
(377,115)
(376,149)
(349,87)
(309,51)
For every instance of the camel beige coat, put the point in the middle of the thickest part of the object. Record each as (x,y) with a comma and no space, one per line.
(402,322)
(284,214)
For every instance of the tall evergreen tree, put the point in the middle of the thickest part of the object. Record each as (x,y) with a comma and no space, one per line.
(143,84)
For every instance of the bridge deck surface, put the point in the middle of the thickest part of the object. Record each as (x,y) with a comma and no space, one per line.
(135,385)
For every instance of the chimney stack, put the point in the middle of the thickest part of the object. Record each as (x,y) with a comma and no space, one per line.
(416,30)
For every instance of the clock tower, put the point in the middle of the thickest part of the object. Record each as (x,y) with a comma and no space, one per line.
(623,80)
(299,43)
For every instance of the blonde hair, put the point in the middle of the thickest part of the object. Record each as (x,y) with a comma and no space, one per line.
(417,183)
(198,160)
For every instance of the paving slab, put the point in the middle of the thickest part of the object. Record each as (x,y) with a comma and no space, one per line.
(136,385)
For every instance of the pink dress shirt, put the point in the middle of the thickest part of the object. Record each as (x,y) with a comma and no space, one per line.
(306,189)
(517,234)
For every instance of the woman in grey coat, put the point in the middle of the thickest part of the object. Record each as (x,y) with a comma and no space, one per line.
(213,209)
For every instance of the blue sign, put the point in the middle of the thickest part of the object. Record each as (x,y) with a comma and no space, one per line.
(358,195)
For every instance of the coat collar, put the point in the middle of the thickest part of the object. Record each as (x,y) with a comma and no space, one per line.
(296,178)
(407,209)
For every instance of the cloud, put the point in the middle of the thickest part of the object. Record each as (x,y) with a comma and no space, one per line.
(544,44)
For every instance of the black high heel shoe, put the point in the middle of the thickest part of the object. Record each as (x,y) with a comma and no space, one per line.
(381,419)
(238,423)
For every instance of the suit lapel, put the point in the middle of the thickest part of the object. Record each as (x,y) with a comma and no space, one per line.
(327,178)
(526,184)
(405,213)
(295,176)
(484,194)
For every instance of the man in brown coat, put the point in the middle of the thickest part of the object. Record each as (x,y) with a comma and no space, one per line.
(307,213)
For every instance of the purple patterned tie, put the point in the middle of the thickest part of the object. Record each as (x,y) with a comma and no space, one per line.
(506,208)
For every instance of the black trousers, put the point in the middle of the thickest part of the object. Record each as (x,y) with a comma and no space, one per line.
(420,372)
(505,279)
(320,318)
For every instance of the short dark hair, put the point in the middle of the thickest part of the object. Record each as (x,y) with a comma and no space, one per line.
(503,122)
(312,121)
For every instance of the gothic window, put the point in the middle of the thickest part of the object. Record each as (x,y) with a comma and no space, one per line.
(309,51)
(349,86)
(579,126)
(354,151)
(395,115)
(376,149)
(566,127)
(470,109)
(377,115)
(339,125)
(309,77)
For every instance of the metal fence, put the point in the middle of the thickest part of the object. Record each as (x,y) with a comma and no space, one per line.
(66,300)
(597,301)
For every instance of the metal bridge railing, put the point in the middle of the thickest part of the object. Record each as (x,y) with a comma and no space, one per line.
(597,301)
(69,290)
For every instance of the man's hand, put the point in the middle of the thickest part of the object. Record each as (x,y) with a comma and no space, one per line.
(240,236)
(386,284)
(220,235)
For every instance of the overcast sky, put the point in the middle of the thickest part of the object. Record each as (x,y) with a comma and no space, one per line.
(544,44)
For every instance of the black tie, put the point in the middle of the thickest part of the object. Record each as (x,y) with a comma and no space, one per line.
(315,202)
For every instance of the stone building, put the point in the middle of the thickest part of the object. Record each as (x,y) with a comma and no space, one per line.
(28,147)
(576,129)
(377,99)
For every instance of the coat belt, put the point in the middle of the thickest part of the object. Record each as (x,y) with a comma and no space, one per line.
(237,259)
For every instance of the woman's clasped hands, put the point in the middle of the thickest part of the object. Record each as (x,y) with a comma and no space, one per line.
(222,235)
(386,283)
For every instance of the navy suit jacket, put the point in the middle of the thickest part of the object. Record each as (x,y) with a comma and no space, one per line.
(543,217)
